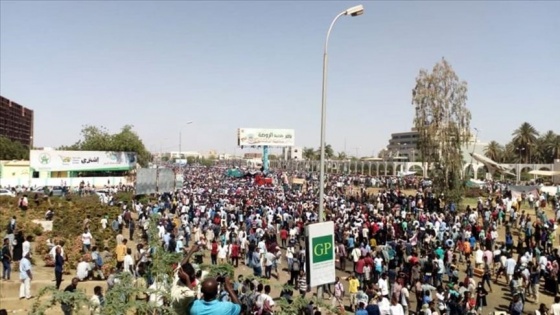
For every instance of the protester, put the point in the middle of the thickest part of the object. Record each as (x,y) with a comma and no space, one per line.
(25,276)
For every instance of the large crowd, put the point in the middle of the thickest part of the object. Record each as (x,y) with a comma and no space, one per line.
(396,253)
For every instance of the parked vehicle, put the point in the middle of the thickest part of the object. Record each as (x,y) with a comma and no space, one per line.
(6,192)
(56,191)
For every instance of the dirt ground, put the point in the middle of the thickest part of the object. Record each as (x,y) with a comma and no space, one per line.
(44,276)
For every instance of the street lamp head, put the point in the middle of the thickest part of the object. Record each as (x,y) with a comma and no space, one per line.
(189,122)
(355,11)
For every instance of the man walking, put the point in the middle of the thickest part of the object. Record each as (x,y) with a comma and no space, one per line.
(68,306)
(6,260)
(25,277)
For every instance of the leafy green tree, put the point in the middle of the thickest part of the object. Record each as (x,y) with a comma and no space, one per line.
(12,150)
(442,120)
(100,139)
(341,155)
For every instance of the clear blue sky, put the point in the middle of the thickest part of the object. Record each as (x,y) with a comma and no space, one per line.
(226,65)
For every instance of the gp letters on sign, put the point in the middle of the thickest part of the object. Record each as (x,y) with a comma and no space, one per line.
(323,248)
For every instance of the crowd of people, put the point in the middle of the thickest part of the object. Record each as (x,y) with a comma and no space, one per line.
(396,253)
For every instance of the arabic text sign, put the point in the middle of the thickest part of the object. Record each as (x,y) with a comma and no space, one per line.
(43,160)
(270,137)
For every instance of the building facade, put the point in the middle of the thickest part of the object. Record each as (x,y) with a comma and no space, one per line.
(16,122)
(404,146)
(292,153)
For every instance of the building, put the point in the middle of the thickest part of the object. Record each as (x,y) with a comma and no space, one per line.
(68,168)
(182,154)
(14,173)
(292,153)
(16,122)
(404,146)
(253,155)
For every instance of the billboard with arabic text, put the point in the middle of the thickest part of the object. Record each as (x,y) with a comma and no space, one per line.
(55,161)
(269,137)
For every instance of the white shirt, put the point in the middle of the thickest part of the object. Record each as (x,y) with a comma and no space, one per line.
(127,263)
(384,307)
(510,266)
(405,295)
(82,270)
(263,298)
(156,297)
(53,252)
(26,247)
(555,309)
(104,223)
(222,252)
(478,256)
(95,307)
(543,261)
(86,238)
(383,286)
(396,309)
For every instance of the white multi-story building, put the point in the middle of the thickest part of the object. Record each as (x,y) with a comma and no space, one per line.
(292,153)
(404,146)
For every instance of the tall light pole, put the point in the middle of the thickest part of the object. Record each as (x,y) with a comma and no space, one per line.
(473,148)
(181,138)
(353,11)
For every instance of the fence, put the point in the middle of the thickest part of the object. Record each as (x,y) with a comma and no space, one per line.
(97,182)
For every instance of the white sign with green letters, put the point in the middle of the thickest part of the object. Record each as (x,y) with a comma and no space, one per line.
(321,257)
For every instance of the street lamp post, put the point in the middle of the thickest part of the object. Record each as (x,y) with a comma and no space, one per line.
(474,147)
(353,11)
(181,138)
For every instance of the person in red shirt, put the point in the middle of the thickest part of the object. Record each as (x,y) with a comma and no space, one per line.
(214,252)
(234,254)
(360,269)
(283,236)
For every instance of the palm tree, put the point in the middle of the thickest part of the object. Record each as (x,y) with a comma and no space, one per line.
(525,138)
(554,147)
(308,154)
(329,152)
(494,151)
(549,147)
(510,154)
(341,155)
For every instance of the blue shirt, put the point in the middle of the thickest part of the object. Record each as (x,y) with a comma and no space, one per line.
(201,307)
(373,309)
(24,266)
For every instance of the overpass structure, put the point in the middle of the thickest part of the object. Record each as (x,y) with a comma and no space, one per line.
(392,168)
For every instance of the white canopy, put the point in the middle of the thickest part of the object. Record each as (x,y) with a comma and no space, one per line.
(544,173)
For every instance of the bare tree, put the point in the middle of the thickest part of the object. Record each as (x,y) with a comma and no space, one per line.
(443,123)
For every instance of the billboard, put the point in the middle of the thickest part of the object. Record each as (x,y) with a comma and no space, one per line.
(146,181)
(166,180)
(43,160)
(269,137)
